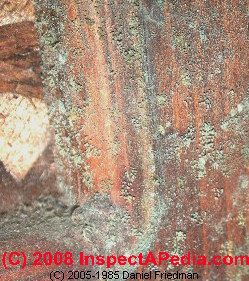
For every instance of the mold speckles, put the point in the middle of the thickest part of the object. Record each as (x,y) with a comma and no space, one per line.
(227,248)
(178,242)
(218,192)
(127,185)
(203,36)
(76,86)
(205,102)
(101,33)
(241,219)
(202,167)
(89,21)
(162,100)
(180,42)
(62,57)
(91,151)
(161,130)
(240,107)
(186,79)
(207,136)
(196,218)
(243,182)
(209,152)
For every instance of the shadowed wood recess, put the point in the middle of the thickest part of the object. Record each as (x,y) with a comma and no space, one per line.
(149,103)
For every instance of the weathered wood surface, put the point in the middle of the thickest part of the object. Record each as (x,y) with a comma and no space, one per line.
(150,107)
(20,60)
(149,102)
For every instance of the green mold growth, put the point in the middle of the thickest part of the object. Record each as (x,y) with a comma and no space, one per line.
(134,26)
(162,100)
(106,185)
(179,242)
(68,145)
(219,229)
(179,42)
(238,116)
(208,152)
(181,182)
(158,181)
(134,2)
(91,151)
(243,182)
(205,102)
(76,86)
(129,53)
(227,248)
(161,130)
(186,79)
(203,36)
(65,137)
(101,33)
(196,218)
(208,135)
(183,142)
(192,25)
(87,178)
(136,123)
(235,124)
(64,114)
(177,144)
(245,152)
(127,185)
(241,219)
(128,36)
(74,115)
(89,21)
(218,192)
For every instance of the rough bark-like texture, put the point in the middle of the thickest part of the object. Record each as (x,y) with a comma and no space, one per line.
(149,101)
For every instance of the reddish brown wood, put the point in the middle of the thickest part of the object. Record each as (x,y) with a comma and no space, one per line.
(149,104)
(20,60)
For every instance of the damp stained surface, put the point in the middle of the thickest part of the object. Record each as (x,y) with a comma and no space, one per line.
(149,107)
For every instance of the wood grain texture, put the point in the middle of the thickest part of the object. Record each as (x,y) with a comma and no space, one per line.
(20,71)
(149,102)
(151,109)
